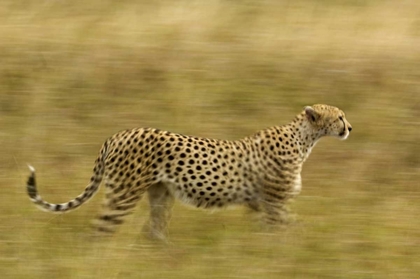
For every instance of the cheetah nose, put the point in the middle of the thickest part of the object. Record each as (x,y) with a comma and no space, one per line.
(350,128)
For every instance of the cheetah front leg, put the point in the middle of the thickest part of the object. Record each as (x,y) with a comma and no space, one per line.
(275,214)
(161,202)
(274,203)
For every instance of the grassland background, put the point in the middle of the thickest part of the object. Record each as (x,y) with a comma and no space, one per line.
(74,72)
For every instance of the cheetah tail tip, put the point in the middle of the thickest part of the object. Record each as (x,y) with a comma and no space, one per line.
(31,168)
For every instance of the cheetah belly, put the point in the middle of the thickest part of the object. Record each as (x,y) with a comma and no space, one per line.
(202,197)
(189,196)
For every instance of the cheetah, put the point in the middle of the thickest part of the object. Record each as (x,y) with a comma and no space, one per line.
(262,171)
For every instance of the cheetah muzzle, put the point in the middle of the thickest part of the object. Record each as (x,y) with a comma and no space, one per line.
(261,171)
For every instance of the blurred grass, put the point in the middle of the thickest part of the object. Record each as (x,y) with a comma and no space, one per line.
(74,72)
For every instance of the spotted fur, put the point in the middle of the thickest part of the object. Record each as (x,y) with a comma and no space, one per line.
(262,170)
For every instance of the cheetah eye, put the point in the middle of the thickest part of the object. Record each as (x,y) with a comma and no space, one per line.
(341,118)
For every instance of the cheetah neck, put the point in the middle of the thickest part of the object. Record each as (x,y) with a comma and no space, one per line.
(306,136)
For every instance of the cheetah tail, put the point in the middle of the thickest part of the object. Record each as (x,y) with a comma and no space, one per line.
(89,191)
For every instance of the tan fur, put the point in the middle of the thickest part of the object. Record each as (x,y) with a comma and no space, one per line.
(261,171)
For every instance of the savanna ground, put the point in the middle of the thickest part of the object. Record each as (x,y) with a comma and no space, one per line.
(74,72)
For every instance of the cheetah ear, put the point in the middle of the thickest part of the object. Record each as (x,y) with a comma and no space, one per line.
(311,114)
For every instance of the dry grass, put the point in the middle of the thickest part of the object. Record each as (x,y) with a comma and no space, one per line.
(74,72)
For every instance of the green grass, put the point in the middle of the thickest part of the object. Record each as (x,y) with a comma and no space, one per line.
(73,73)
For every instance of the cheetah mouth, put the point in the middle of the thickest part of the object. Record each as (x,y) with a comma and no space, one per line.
(343,135)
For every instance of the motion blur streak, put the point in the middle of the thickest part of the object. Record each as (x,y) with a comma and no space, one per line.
(74,72)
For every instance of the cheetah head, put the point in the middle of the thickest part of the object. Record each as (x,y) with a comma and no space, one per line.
(328,121)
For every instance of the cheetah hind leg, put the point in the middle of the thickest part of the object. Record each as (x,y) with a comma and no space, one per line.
(161,202)
(119,202)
